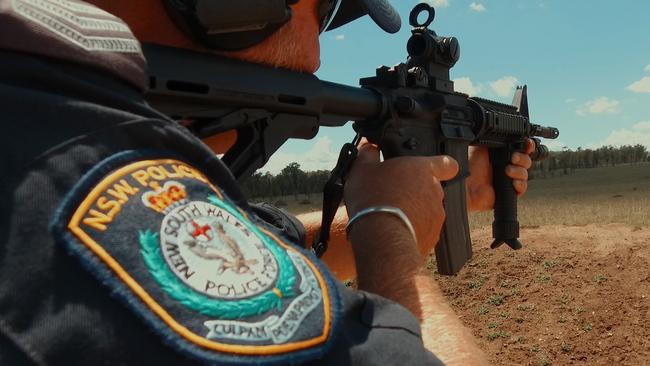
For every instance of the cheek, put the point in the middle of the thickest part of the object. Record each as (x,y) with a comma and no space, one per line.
(311,52)
(305,29)
(294,46)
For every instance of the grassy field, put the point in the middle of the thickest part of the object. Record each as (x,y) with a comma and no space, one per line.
(296,204)
(618,194)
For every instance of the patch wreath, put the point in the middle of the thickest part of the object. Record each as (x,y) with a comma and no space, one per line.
(218,285)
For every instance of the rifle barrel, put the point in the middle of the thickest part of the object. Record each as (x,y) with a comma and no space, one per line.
(545,132)
(353,102)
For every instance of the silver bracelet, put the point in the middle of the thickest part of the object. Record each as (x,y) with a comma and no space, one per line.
(387,209)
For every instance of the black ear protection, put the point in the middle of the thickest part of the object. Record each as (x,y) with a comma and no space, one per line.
(231,25)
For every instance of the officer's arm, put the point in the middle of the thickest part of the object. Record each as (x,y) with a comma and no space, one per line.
(338,257)
(389,260)
(388,264)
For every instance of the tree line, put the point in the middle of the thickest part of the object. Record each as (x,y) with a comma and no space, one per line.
(565,161)
(292,180)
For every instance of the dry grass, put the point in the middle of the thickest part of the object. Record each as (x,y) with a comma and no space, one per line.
(618,194)
(296,204)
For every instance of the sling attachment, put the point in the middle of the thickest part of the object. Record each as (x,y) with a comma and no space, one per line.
(333,194)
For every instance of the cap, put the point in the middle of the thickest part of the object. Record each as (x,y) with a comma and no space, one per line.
(381,11)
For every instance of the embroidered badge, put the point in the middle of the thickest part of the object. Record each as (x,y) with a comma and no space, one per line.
(221,285)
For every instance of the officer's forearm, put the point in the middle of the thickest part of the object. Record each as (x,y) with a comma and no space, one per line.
(388,264)
(338,257)
(442,332)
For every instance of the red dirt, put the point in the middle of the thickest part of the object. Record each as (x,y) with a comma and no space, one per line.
(571,296)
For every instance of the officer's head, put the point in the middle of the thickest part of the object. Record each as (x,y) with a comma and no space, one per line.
(281,33)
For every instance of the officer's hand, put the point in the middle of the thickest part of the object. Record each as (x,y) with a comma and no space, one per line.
(411,184)
(480,192)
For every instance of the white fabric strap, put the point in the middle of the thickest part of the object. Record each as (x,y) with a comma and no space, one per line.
(386,209)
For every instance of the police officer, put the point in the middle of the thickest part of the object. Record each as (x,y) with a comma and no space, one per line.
(126,241)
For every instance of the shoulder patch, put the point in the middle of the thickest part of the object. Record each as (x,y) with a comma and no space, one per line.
(211,280)
(82,25)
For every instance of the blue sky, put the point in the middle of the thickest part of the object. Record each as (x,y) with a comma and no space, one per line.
(586,64)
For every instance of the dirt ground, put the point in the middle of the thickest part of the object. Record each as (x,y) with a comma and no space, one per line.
(574,295)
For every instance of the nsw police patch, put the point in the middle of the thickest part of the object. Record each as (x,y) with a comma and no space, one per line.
(206,276)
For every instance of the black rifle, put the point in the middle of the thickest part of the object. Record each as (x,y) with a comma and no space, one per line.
(409,109)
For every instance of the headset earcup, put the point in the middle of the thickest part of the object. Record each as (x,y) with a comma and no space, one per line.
(183,14)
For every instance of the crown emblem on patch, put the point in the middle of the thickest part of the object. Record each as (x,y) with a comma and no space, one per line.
(166,197)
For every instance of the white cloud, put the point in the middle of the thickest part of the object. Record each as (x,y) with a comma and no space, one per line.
(642,126)
(319,157)
(438,3)
(339,37)
(637,134)
(600,105)
(505,86)
(647,68)
(554,145)
(477,7)
(640,86)
(569,100)
(465,85)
